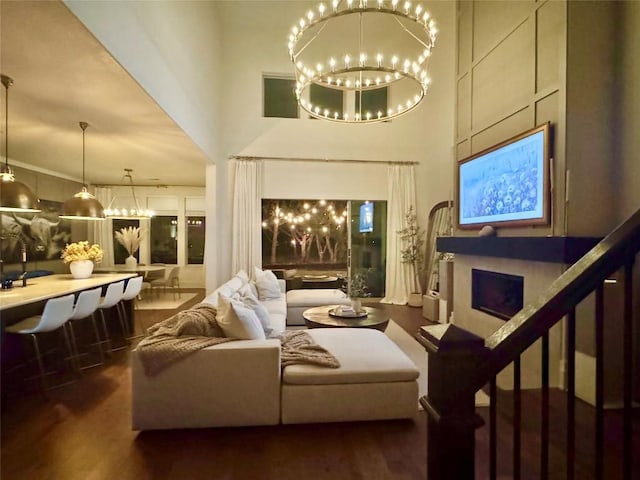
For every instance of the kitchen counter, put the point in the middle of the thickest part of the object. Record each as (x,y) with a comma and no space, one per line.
(50,286)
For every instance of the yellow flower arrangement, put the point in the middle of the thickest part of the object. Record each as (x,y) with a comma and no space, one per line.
(82,251)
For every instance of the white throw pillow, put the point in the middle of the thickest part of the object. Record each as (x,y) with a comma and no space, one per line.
(243,275)
(238,321)
(261,312)
(248,289)
(267,284)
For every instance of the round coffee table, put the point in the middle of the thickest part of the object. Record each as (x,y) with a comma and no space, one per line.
(318,317)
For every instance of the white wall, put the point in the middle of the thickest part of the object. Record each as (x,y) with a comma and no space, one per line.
(317,180)
(203,63)
(629,172)
(254,36)
(172,49)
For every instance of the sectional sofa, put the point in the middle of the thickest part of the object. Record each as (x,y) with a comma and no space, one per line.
(242,382)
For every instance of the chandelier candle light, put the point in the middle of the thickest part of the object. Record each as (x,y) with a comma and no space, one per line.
(385,44)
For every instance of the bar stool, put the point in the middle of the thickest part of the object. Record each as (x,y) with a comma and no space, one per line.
(55,315)
(86,305)
(134,285)
(111,298)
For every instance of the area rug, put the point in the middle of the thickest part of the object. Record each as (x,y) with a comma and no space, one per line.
(163,301)
(417,353)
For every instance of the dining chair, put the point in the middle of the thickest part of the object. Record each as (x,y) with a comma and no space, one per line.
(171,279)
(154,275)
(85,307)
(55,315)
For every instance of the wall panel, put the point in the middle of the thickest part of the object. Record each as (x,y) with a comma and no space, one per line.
(465,34)
(550,19)
(463,149)
(502,130)
(491,19)
(503,80)
(463,107)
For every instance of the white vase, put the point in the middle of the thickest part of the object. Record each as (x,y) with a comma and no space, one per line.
(356,304)
(81,268)
(130,262)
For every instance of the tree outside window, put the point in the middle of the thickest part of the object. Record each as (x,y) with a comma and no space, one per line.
(304,232)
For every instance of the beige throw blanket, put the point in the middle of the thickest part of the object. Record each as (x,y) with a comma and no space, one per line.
(298,347)
(178,336)
(196,328)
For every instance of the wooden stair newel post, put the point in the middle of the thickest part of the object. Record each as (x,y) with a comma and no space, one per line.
(454,354)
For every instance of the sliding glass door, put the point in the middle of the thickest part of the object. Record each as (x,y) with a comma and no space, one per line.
(329,238)
(368,244)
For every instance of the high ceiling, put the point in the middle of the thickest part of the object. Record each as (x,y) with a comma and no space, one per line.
(63,75)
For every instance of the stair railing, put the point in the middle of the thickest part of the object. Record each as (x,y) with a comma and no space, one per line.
(461,363)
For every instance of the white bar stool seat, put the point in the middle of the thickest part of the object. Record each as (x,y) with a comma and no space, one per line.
(111,298)
(55,315)
(131,292)
(86,305)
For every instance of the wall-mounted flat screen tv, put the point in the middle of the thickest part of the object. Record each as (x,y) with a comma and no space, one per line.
(366,217)
(506,185)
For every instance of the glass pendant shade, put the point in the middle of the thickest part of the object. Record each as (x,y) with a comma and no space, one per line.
(83,205)
(14,196)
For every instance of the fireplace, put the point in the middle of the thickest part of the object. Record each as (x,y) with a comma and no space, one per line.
(497,294)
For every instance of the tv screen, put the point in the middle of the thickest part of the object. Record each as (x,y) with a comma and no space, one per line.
(507,184)
(366,217)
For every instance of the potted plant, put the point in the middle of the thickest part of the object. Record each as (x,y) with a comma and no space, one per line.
(412,253)
(357,290)
(129,238)
(81,256)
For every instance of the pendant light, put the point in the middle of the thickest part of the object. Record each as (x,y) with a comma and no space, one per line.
(132,211)
(83,205)
(14,196)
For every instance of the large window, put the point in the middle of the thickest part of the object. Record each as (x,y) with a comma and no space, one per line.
(195,240)
(329,99)
(317,235)
(373,101)
(279,97)
(304,232)
(119,252)
(164,235)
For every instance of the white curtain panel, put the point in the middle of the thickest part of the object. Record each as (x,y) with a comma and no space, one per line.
(247,215)
(401,196)
(101,232)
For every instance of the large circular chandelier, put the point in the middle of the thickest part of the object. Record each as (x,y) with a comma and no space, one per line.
(358,46)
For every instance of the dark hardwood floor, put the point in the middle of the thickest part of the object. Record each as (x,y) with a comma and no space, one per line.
(83,431)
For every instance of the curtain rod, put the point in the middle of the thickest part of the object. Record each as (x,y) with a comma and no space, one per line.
(324,160)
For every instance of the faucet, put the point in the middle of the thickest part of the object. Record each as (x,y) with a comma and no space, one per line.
(23,259)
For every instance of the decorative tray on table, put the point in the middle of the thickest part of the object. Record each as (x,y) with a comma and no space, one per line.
(315,277)
(347,312)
